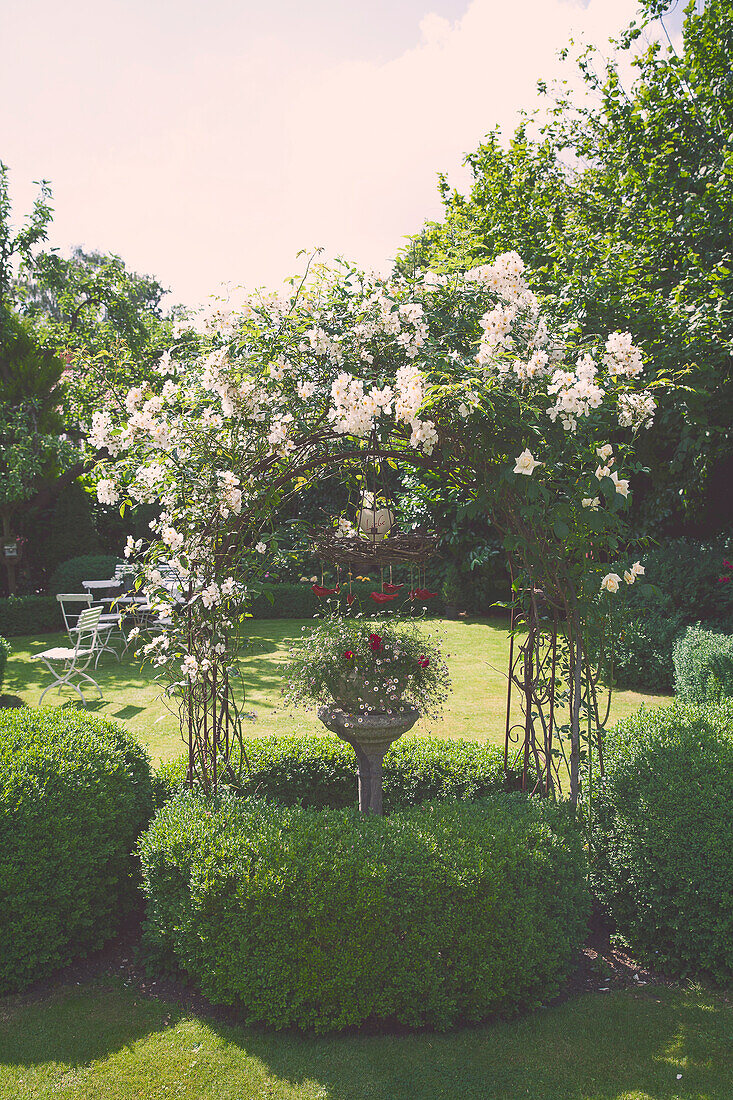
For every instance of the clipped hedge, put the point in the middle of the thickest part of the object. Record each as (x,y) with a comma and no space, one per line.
(320,771)
(68,576)
(4,654)
(324,919)
(75,792)
(664,836)
(703,665)
(29,615)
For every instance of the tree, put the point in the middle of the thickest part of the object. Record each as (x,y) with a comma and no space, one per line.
(107,322)
(16,246)
(33,448)
(623,206)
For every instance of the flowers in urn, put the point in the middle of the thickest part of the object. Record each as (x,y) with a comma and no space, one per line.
(366,666)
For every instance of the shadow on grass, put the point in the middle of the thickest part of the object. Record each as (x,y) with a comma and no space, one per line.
(8,701)
(661,1044)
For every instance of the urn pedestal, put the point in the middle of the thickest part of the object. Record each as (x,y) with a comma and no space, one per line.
(370,735)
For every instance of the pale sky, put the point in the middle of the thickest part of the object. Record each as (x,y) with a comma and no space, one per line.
(207,141)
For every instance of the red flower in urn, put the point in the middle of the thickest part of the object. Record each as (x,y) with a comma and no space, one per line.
(375,643)
(423,662)
(348,654)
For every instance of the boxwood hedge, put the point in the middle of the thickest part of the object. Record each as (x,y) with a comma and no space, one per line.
(320,771)
(29,615)
(75,792)
(664,836)
(325,919)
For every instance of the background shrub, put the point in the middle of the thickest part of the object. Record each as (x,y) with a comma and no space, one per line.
(703,665)
(643,649)
(323,919)
(68,576)
(683,589)
(30,615)
(4,654)
(664,836)
(320,771)
(75,792)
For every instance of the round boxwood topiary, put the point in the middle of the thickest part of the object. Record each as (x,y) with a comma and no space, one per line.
(319,771)
(325,919)
(664,836)
(75,792)
(68,576)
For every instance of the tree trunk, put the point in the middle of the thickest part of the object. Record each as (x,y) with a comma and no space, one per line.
(10,563)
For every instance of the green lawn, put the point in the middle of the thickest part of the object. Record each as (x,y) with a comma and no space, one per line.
(104,1042)
(477,658)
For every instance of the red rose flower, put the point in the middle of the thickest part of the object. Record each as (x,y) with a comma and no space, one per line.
(348,654)
(423,662)
(375,643)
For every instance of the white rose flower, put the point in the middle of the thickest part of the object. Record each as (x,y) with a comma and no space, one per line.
(261,547)
(621,483)
(605,452)
(592,502)
(638,569)
(629,577)
(610,582)
(172,538)
(525,463)
(106,491)
(602,471)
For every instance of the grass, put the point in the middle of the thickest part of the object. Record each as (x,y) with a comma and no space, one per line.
(477,658)
(107,1042)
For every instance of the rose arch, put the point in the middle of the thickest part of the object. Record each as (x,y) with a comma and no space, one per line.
(460,372)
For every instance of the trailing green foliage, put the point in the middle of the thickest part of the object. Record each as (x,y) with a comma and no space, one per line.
(703,665)
(663,839)
(326,919)
(75,792)
(68,576)
(319,772)
(4,654)
(29,615)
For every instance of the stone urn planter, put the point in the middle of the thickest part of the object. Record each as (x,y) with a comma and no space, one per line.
(370,734)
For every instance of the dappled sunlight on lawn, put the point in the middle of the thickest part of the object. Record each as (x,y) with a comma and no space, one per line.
(477,655)
(105,1041)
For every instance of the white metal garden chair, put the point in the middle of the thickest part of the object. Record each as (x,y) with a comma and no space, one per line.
(68,665)
(72,604)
